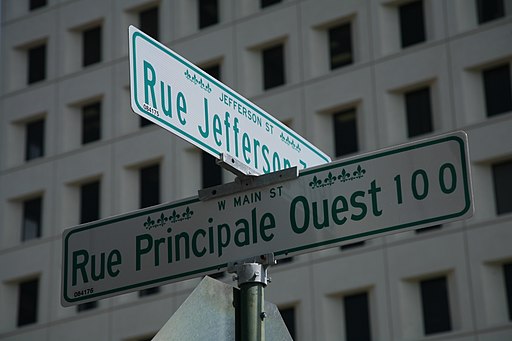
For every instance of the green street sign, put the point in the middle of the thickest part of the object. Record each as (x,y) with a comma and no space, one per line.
(391,190)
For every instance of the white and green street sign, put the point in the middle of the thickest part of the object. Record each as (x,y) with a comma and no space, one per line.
(391,190)
(180,97)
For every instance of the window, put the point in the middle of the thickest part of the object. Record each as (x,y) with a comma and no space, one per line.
(288,315)
(149,180)
(285,260)
(273,67)
(35,4)
(266,3)
(345,132)
(148,21)
(34,139)
(32,219)
(428,229)
(208,13)
(36,64)
(412,23)
(507,274)
(503,186)
(418,112)
(489,10)
(213,71)
(91,46)
(91,122)
(435,305)
(27,302)
(357,317)
(149,291)
(352,245)
(212,173)
(86,306)
(143,122)
(497,90)
(340,46)
(89,202)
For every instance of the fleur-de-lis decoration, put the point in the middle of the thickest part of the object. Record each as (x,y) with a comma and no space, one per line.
(188,213)
(162,220)
(315,182)
(344,176)
(149,222)
(359,172)
(174,217)
(330,179)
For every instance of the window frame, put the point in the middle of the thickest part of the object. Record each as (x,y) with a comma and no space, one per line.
(267,65)
(430,308)
(330,41)
(411,110)
(144,198)
(92,40)
(35,135)
(37,63)
(86,114)
(405,21)
(37,201)
(339,139)
(33,311)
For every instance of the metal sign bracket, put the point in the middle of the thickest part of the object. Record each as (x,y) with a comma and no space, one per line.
(244,182)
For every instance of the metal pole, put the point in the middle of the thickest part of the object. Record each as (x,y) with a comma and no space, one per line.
(252,279)
(251,309)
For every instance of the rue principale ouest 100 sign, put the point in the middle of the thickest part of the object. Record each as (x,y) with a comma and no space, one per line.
(409,186)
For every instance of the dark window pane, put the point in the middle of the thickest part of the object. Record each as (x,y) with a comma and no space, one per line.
(87,306)
(89,202)
(211,172)
(357,317)
(502,175)
(35,4)
(436,306)
(288,316)
(149,291)
(418,112)
(273,67)
(429,229)
(34,140)
(490,10)
(217,275)
(32,219)
(208,13)
(266,3)
(340,46)
(143,122)
(412,23)
(148,20)
(149,179)
(91,123)
(213,71)
(345,132)
(27,302)
(498,90)
(91,46)
(36,64)
(352,246)
(507,273)
(284,260)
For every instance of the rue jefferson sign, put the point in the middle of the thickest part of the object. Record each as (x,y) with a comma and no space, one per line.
(409,186)
(180,97)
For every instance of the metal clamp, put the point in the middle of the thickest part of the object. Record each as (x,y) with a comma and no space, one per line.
(252,270)
(245,183)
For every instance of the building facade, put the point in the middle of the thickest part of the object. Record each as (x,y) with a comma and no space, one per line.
(350,76)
